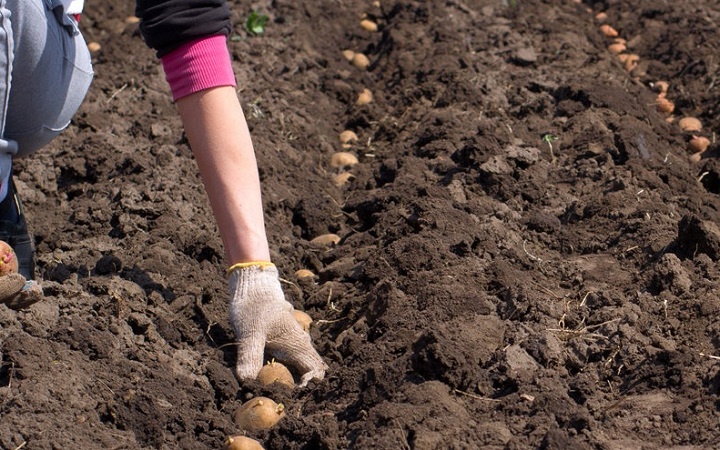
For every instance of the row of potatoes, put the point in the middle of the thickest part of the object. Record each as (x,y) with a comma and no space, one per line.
(263,413)
(696,143)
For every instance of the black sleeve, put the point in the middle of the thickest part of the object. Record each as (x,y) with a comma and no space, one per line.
(167,24)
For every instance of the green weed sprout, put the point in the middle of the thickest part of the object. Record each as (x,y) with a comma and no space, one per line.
(255,23)
(549,139)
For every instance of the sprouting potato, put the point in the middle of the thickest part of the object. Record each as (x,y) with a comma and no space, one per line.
(259,413)
(342,178)
(348,136)
(242,443)
(608,31)
(664,105)
(360,60)
(365,97)
(631,62)
(698,144)
(275,372)
(343,159)
(304,273)
(690,124)
(348,54)
(368,25)
(617,47)
(326,239)
(662,87)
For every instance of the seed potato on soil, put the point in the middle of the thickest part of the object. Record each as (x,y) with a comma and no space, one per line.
(365,97)
(360,60)
(690,124)
(483,296)
(275,372)
(343,178)
(326,239)
(242,443)
(304,273)
(343,159)
(259,413)
(698,144)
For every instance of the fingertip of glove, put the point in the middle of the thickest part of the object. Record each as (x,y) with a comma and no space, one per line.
(246,372)
(25,298)
(317,374)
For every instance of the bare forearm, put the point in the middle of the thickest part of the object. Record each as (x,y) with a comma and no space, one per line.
(220,140)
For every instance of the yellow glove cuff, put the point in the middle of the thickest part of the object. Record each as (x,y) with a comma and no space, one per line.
(245,265)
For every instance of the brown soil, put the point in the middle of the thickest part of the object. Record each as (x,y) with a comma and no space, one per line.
(483,295)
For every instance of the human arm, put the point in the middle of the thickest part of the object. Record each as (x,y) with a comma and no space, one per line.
(262,318)
(201,79)
(218,134)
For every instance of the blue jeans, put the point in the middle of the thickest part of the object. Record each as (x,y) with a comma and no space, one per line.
(45,72)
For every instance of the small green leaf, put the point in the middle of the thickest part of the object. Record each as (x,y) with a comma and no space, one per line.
(255,23)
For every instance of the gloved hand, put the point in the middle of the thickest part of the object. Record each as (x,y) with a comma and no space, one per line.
(17,292)
(263,319)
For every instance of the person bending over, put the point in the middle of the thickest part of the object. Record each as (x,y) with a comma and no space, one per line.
(45,72)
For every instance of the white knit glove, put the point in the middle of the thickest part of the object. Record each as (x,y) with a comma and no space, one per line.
(16,292)
(263,319)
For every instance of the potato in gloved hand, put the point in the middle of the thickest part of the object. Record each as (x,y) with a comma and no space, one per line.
(263,320)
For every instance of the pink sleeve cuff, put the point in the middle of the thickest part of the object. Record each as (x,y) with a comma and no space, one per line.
(200,64)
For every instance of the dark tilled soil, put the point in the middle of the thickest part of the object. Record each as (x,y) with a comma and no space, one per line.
(528,256)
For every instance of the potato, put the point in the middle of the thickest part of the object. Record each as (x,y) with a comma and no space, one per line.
(343,159)
(242,443)
(8,259)
(131,20)
(617,48)
(368,25)
(259,413)
(690,124)
(342,178)
(661,87)
(326,239)
(698,144)
(608,31)
(664,105)
(303,319)
(304,273)
(631,62)
(360,61)
(348,54)
(365,97)
(348,136)
(275,372)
